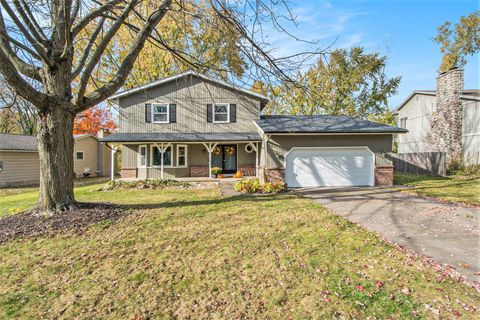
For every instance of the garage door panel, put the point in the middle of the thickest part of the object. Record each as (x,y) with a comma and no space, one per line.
(314,167)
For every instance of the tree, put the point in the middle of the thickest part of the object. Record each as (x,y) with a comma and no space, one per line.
(93,120)
(350,82)
(458,43)
(63,44)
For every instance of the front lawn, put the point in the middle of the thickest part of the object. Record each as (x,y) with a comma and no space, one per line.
(460,189)
(193,254)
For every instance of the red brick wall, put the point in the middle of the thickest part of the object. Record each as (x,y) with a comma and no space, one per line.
(247,170)
(128,173)
(275,174)
(198,171)
(384,176)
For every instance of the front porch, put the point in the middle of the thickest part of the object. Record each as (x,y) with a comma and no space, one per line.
(188,160)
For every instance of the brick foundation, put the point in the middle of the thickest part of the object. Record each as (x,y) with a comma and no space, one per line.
(247,170)
(274,174)
(384,176)
(128,173)
(198,171)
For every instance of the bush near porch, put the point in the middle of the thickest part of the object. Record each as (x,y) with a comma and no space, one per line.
(195,254)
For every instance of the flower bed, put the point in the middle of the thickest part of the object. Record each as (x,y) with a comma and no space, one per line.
(254,186)
(144,184)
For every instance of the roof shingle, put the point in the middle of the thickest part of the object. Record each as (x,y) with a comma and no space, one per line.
(182,137)
(17,142)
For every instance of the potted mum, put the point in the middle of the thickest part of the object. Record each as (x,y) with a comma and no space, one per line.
(216,171)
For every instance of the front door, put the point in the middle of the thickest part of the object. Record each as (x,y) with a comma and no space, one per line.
(225,157)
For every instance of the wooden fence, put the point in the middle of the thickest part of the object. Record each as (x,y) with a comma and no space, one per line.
(432,163)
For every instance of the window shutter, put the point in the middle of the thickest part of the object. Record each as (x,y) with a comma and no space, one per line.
(233,113)
(209,112)
(148,112)
(173,113)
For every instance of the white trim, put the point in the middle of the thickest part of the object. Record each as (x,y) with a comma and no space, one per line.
(13,150)
(76,155)
(139,155)
(83,136)
(332,133)
(186,142)
(153,114)
(228,112)
(165,147)
(178,155)
(181,75)
(372,173)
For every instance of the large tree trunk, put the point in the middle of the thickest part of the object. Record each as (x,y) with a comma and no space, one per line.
(55,148)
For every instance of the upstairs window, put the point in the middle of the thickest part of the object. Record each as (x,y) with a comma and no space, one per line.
(160,113)
(221,113)
(403,123)
(156,157)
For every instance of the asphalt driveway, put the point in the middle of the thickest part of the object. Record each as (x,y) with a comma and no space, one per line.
(446,232)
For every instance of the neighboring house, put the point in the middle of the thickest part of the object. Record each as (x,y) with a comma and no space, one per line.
(446,120)
(184,125)
(19,162)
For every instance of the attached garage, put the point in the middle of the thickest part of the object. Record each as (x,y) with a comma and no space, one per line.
(329,167)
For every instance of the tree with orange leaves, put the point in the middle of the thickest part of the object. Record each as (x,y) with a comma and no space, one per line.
(93,120)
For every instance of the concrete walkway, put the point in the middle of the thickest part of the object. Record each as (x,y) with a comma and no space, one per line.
(448,233)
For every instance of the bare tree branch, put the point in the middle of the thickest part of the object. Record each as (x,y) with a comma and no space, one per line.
(94,14)
(30,21)
(127,64)
(40,49)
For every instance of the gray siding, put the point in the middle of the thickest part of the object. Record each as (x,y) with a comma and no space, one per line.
(417,111)
(279,145)
(471,132)
(191,95)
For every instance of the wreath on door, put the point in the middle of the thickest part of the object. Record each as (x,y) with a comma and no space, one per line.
(217,151)
(230,151)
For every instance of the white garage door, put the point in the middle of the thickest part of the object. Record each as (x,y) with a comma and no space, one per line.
(330,167)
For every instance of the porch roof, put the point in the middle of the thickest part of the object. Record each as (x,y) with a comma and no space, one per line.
(183,137)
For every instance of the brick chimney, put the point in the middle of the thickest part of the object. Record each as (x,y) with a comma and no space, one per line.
(446,121)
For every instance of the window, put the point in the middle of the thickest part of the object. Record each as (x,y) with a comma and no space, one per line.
(181,155)
(221,113)
(403,123)
(79,155)
(142,156)
(156,156)
(160,113)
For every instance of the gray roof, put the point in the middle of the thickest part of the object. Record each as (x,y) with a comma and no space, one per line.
(323,124)
(182,137)
(470,94)
(17,142)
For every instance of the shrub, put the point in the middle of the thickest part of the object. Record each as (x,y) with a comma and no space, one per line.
(216,170)
(142,184)
(254,186)
(461,169)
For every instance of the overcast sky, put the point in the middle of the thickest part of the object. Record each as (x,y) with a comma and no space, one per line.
(401,29)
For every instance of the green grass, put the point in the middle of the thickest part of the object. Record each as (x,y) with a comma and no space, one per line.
(193,254)
(459,189)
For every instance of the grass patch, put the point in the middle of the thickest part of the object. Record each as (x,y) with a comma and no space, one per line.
(193,254)
(459,189)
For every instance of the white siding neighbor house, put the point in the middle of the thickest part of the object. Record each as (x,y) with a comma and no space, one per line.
(416,114)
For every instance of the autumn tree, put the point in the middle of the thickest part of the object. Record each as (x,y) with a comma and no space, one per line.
(62,45)
(347,82)
(460,42)
(93,120)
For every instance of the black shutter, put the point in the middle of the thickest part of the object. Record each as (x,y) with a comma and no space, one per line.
(173,113)
(209,113)
(233,113)
(148,113)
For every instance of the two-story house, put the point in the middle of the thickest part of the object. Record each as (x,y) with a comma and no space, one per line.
(184,125)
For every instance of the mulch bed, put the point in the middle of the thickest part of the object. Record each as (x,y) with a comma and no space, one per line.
(29,224)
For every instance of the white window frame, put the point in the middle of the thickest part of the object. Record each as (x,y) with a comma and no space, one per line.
(159,165)
(228,112)
(139,158)
(153,113)
(76,155)
(178,155)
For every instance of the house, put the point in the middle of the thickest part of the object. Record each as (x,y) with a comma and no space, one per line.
(184,125)
(19,162)
(446,119)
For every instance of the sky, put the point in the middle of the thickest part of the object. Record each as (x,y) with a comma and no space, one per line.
(400,29)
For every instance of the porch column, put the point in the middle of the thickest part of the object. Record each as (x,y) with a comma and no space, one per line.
(112,163)
(256,159)
(209,148)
